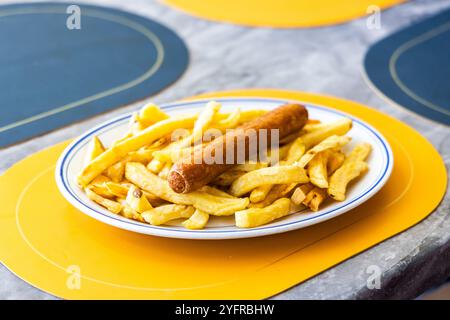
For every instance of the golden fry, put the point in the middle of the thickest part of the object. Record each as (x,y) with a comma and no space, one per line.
(137,200)
(150,114)
(335,160)
(94,149)
(300,193)
(254,217)
(295,152)
(260,193)
(197,221)
(166,213)
(112,206)
(315,198)
(342,177)
(339,127)
(227,178)
(270,175)
(317,170)
(331,142)
(277,191)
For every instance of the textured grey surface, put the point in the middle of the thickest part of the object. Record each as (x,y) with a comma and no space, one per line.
(323,60)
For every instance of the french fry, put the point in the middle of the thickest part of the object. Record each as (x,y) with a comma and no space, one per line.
(155,166)
(335,160)
(339,127)
(201,124)
(270,175)
(250,166)
(137,200)
(315,198)
(165,171)
(229,122)
(342,177)
(117,189)
(317,170)
(214,205)
(300,193)
(197,221)
(254,217)
(277,191)
(111,205)
(120,150)
(216,192)
(248,115)
(331,142)
(129,213)
(150,114)
(135,126)
(227,178)
(163,214)
(116,171)
(359,153)
(295,152)
(260,193)
(94,149)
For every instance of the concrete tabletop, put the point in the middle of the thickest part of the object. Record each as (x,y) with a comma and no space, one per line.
(325,60)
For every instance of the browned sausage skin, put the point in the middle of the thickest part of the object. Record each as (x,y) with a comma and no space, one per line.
(191,173)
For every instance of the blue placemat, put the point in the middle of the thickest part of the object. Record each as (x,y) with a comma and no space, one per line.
(59,67)
(412,67)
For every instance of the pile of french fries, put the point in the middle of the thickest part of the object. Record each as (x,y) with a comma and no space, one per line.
(129,177)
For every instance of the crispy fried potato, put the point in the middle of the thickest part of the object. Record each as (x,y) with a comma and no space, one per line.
(197,221)
(295,152)
(250,166)
(216,192)
(342,177)
(260,193)
(155,166)
(117,189)
(335,160)
(120,150)
(300,193)
(359,153)
(111,205)
(227,178)
(129,213)
(270,175)
(278,191)
(165,171)
(315,198)
(317,170)
(95,148)
(150,114)
(339,127)
(229,122)
(214,205)
(254,217)
(331,142)
(137,200)
(166,213)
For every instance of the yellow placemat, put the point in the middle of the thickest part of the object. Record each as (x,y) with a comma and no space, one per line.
(281,13)
(48,243)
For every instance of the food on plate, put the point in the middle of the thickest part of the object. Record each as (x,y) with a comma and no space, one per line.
(194,170)
(159,170)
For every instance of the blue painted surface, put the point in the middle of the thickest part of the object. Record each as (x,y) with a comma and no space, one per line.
(412,67)
(114,59)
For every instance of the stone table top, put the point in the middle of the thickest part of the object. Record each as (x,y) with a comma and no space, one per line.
(325,60)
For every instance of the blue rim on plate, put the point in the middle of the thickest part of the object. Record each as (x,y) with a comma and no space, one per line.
(62,179)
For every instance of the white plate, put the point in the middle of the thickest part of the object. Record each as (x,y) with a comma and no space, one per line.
(380,163)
